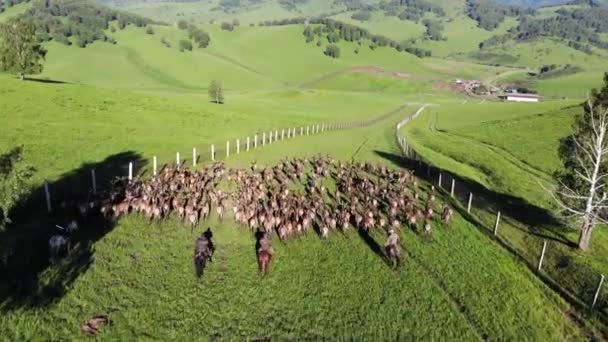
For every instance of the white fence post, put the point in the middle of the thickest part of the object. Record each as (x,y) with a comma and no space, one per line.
(47,196)
(178,160)
(228,148)
(276,135)
(597,292)
(283,134)
(542,256)
(293,134)
(440,179)
(270,137)
(212,152)
(247,144)
(130,170)
(238,146)
(301,131)
(470,202)
(94,181)
(322,128)
(496,224)
(307,130)
(154,166)
(194,156)
(255,141)
(264,139)
(452,187)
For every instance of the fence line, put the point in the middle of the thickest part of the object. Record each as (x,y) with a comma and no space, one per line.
(536,268)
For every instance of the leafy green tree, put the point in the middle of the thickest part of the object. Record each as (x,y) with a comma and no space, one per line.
(227,26)
(185,45)
(332,51)
(216,92)
(20,51)
(182,25)
(149,30)
(14,177)
(582,185)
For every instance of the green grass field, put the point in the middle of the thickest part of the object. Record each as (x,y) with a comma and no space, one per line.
(106,105)
(511,150)
(310,279)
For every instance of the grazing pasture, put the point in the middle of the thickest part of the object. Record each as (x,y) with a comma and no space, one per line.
(506,157)
(316,288)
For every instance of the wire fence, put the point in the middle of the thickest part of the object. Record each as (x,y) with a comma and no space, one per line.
(540,244)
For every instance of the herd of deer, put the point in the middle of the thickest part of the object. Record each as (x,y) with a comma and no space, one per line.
(289,198)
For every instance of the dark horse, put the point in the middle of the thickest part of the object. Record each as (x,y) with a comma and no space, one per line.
(263,252)
(203,251)
(393,255)
(264,259)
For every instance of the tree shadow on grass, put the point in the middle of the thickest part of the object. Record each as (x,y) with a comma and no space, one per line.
(539,221)
(27,277)
(372,244)
(44,80)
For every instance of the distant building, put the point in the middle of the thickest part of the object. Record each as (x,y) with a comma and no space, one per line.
(516,97)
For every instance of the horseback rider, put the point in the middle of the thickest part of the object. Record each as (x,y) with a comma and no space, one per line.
(265,244)
(204,245)
(392,241)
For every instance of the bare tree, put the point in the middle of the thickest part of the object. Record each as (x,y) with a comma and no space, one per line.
(582,185)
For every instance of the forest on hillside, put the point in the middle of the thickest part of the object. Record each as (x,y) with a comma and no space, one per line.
(579,28)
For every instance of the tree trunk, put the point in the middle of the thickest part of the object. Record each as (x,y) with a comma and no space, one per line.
(585,237)
(22,77)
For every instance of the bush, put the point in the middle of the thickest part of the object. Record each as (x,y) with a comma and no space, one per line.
(182,25)
(362,15)
(236,22)
(149,30)
(332,51)
(227,26)
(185,45)
(15,175)
(199,36)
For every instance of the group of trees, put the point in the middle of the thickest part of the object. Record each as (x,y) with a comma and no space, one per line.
(292,4)
(489,14)
(334,31)
(579,28)
(412,10)
(416,9)
(4,4)
(200,37)
(82,21)
(434,29)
